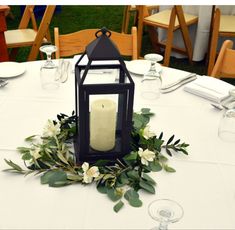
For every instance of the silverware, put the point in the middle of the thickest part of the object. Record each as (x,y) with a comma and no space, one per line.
(3,83)
(179,83)
(218,106)
(227,102)
(189,76)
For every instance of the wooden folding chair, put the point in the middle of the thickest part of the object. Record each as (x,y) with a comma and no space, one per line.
(34,37)
(171,20)
(133,10)
(225,63)
(75,43)
(223,26)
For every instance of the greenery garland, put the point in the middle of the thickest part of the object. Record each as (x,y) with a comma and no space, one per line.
(51,155)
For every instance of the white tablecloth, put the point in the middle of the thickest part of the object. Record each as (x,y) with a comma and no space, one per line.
(203,183)
(199,33)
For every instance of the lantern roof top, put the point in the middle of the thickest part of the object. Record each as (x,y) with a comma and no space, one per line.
(102,48)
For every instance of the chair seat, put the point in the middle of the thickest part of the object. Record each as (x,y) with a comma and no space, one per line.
(19,37)
(163,19)
(15,38)
(227,23)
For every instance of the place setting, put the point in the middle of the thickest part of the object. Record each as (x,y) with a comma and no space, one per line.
(153,79)
(10,70)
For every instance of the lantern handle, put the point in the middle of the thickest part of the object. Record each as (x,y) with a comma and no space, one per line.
(104,31)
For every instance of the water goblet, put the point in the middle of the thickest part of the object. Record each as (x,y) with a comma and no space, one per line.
(49,71)
(165,211)
(226,131)
(151,82)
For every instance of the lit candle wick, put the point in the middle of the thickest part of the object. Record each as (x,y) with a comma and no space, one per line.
(102,106)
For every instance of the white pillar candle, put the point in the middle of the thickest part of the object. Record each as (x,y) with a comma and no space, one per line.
(102,124)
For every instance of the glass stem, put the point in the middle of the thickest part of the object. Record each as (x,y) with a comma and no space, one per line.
(163,225)
(153,67)
(49,56)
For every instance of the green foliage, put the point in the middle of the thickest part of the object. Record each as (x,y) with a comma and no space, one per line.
(50,156)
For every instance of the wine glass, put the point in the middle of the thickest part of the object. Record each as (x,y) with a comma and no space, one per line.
(165,211)
(49,71)
(226,129)
(151,82)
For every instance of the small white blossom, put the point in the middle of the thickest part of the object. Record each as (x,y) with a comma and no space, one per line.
(89,173)
(51,130)
(147,133)
(146,156)
(35,153)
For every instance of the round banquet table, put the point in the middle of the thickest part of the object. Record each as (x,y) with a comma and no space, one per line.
(203,182)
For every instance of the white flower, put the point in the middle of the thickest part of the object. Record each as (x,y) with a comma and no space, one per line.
(51,130)
(89,173)
(147,133)
(35,153)
(146,156)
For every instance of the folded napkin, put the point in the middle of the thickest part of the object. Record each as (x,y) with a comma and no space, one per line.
(210,88)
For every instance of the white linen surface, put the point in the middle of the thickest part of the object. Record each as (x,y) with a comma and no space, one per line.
(210,88)
(203,183)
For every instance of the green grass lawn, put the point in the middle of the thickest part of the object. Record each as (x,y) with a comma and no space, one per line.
(72,18)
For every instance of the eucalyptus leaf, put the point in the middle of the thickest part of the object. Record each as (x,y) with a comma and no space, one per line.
(118,206)
(131,194)
(148,178)
(26,156)
(155,166)
(123,178)
(147,186)
(59,183)
(135,202)
(133,174)
(130,157)
(53,178)
(113,194)
(146,111)
(101,188)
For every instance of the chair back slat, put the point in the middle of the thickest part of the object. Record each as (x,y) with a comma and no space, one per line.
(75,43)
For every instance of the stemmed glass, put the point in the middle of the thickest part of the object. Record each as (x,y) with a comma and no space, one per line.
(49,71)
(226,129)
(165,211)
(151,82)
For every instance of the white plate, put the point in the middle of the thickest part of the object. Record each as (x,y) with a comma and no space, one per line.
(11,69)
(140,67)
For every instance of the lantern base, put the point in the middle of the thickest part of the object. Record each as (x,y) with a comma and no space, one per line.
(93,156)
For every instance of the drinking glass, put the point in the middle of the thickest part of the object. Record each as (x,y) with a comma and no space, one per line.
(227,126)
(151,82)
(165,211)
(49,71)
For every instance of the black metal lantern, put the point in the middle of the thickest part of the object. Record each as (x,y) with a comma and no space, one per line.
(104,109)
